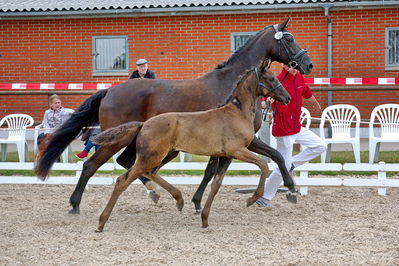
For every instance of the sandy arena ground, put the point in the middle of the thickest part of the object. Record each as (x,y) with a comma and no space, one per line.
(330,226)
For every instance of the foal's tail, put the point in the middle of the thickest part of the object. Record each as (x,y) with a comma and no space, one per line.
(121,135)
(85,115)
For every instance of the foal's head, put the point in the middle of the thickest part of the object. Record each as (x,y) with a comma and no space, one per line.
(268,84)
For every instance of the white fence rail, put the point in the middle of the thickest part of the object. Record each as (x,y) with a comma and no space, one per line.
(303,181)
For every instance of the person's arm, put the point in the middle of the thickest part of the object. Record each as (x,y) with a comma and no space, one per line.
(151,75)
(45,123)
(313,101)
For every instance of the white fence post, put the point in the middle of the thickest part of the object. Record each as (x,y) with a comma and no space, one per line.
(382,175)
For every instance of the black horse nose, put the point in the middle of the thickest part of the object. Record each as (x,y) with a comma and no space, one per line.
(310,66)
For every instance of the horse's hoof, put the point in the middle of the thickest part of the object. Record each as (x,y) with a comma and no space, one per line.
(198,211)
(74,211)
(204,226)
(154,196)
(180,205)
(291,197)
(250,201)
(98,230)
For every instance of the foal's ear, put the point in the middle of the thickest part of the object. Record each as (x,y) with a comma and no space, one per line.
(283,25)
(266,64)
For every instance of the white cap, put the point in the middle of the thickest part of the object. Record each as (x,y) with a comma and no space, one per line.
(141,62)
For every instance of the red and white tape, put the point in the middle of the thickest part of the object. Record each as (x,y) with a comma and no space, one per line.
(55,86)
(352,81)
(100,86)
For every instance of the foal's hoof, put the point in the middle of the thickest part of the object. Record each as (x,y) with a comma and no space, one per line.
(180,205)
(154,196)
(75,210)
(291,197)
(99,229)
(250,201)
(198,211)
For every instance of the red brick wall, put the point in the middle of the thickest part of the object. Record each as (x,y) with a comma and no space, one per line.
(183,47)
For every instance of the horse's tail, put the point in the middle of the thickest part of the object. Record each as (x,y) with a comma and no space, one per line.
(121,135)
(85,115)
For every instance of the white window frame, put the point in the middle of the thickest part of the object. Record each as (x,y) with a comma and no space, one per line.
(390,66)
(109,71)
(238,34)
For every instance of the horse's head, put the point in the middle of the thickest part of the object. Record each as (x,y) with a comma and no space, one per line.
(287,51)
(268,84)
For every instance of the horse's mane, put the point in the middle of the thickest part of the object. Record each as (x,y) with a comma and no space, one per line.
(234,55)
(240,78)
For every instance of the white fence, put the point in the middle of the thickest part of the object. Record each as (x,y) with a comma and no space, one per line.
(303,181)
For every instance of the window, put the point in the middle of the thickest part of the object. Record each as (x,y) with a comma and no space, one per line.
(238,39)
(110,55)
(392,48)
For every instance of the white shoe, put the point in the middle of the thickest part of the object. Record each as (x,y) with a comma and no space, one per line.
(262,202)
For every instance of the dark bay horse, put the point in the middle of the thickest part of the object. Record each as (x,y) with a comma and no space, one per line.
(141,99)
(226,131)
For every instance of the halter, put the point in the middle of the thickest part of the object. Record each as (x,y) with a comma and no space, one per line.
(270,90)
(261,84)
(296,60)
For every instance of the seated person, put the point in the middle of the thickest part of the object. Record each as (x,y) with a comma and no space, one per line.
(54,117)
(87,136)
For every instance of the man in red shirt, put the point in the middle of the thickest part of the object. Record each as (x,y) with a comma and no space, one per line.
(287,130)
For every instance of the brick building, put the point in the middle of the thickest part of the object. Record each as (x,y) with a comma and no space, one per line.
(98,42)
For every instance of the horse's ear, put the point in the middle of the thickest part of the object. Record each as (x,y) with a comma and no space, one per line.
(283,25)
(265,64)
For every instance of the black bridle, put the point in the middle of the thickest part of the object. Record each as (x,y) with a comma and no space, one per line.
(295,60)
(261,84)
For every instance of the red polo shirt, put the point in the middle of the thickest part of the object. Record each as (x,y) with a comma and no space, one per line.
(286,121)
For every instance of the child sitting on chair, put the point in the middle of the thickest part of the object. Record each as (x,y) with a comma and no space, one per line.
(53,117)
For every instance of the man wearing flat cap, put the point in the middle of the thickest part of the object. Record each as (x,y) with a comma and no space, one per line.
(142,70)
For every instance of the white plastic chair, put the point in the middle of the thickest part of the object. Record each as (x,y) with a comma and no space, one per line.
(341,117)
(17,124)
(387,117)
(38,128)
(305,119)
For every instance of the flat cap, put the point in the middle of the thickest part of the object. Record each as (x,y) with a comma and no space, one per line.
(141,62)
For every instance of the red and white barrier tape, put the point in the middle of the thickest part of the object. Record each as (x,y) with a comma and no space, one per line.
(55,86)
(352,81)
(99,86)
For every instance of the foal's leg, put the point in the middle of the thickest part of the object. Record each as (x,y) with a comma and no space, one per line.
(210,171)
(247,156)
(262,148)
(121,185)
(217,181)
(89,168)
(176,194)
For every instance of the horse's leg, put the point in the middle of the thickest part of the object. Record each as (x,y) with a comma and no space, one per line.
(176,194)
(210,171)
(262,148)
(127,158)
(89,168)
(216,183)
(121,185)
(247,156)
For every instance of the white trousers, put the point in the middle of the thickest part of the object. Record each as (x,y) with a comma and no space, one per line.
(314,146)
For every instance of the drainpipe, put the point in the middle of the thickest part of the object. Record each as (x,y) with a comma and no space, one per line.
(329,56)
(329,47)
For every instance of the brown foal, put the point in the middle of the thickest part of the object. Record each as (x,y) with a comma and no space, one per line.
(225,131)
